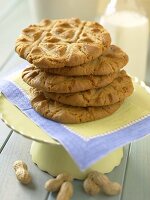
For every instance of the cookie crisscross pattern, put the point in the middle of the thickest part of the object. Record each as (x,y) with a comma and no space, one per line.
(65,42)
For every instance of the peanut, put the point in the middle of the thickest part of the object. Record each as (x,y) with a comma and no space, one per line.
(53,185)
(91,187)
(66,191)
(112,188)
(101,180)
(21,171)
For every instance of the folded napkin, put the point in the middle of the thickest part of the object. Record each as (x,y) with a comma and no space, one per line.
(88,142)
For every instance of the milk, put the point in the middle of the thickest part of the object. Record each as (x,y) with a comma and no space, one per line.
(130,31)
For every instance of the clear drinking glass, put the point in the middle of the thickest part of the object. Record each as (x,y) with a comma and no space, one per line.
(54,9)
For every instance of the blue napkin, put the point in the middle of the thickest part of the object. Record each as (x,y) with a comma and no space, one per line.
(83,151)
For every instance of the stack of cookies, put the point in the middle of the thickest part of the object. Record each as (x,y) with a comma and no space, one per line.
(75,73)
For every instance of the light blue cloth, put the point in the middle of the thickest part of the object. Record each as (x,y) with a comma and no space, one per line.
(83,152)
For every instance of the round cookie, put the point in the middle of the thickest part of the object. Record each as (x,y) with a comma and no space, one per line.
(118,90)
(111,61)
(69,114)
(37,78)
(62,42)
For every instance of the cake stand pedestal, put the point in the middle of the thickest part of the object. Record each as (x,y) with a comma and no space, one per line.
(54,159)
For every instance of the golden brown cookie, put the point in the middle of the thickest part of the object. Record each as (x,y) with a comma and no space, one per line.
(111,61)
(64,84)
(69,114)
(62,42)
(118,90)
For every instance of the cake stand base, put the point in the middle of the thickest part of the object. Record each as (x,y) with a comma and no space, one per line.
(54,159)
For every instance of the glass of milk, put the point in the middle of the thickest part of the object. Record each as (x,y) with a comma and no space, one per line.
(129,29)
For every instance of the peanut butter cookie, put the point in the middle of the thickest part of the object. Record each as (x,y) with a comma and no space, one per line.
(118,90)
(62,42)
(69,114)
(111,61)
(44,81)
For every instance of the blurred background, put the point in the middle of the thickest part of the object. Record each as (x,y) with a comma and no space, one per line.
(129,29)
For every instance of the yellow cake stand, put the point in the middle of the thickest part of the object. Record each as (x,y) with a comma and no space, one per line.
(50,156)
(46,152)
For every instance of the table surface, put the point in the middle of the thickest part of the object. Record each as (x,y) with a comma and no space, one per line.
(133,173)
